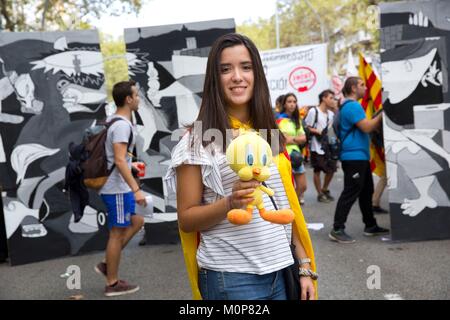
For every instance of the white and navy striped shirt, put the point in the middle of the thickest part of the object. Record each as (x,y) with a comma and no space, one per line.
(259,247)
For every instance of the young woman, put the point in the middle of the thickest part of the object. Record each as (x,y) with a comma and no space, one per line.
(291,126)
(278,102)
(227,261)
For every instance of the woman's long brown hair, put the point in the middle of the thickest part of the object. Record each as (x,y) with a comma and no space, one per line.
(213,109)
(296,114)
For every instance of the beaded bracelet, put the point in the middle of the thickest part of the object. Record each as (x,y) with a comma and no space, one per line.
(302,272)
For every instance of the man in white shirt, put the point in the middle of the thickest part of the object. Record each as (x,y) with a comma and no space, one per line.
(318,120)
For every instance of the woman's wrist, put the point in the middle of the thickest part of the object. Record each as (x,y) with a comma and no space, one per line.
(302,272)
(305,265)
(228,203)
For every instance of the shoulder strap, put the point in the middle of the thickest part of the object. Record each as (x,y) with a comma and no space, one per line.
(348,133)
(353,126)
(110,123)
(346,101)
(130,139)
(316,117)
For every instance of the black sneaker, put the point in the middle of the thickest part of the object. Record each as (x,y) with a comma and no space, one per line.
(328,195)
(340,236)
(375,231)
(322,198)
(378,209)
(143,241)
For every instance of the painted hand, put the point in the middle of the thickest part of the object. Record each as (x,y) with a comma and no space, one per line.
(419,19)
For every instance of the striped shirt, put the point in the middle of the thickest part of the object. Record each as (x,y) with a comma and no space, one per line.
(259,247)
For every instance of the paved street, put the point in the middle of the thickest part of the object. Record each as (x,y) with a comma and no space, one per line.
(413,270)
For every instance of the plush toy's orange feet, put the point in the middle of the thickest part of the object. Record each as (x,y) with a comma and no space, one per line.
(283,216)
(239,216)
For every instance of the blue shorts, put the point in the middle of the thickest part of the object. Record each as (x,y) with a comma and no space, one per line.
(299,170)
(120,207)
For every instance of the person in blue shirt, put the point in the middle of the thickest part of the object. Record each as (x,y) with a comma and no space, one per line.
(355,158)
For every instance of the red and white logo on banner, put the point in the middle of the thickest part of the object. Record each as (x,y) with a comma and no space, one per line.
(302,79)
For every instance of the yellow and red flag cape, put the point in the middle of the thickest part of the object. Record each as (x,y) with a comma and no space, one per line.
(191,240)
(371,104)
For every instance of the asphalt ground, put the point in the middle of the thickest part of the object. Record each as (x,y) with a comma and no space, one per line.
(406,270)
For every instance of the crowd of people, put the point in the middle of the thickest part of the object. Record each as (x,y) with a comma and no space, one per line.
(307,142)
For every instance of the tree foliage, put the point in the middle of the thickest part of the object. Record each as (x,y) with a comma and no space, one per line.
(342,23)
(115,64)
(27,15)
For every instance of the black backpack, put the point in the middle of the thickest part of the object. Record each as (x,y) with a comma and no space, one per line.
(326,140)
(95,166)
(308,133)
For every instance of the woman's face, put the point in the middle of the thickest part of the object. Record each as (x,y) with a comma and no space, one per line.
(236,76)
(291,104)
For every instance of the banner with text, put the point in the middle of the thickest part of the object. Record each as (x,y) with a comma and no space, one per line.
(301,70)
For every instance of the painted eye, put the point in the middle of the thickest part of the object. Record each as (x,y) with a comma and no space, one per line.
(250,159)
(264,159)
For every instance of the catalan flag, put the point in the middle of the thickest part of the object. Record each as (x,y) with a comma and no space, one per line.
(371,104)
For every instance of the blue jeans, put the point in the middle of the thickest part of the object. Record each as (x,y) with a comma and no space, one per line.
(299,170)
(216,285)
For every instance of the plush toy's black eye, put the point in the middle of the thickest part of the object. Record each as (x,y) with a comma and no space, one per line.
(264,159)
(250,159)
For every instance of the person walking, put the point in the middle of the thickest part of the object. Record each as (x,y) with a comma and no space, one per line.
(354,129)
(121,192)
(318,120)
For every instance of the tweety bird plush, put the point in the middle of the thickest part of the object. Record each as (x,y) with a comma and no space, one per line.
(249,155)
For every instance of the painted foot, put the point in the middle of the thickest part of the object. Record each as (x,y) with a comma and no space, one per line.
(239,216)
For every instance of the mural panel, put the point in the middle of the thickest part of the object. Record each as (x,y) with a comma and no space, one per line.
(415,54)
(52,88)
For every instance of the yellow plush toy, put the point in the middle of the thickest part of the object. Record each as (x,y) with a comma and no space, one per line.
(249,156)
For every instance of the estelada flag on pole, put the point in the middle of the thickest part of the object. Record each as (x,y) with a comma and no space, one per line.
(371,104)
